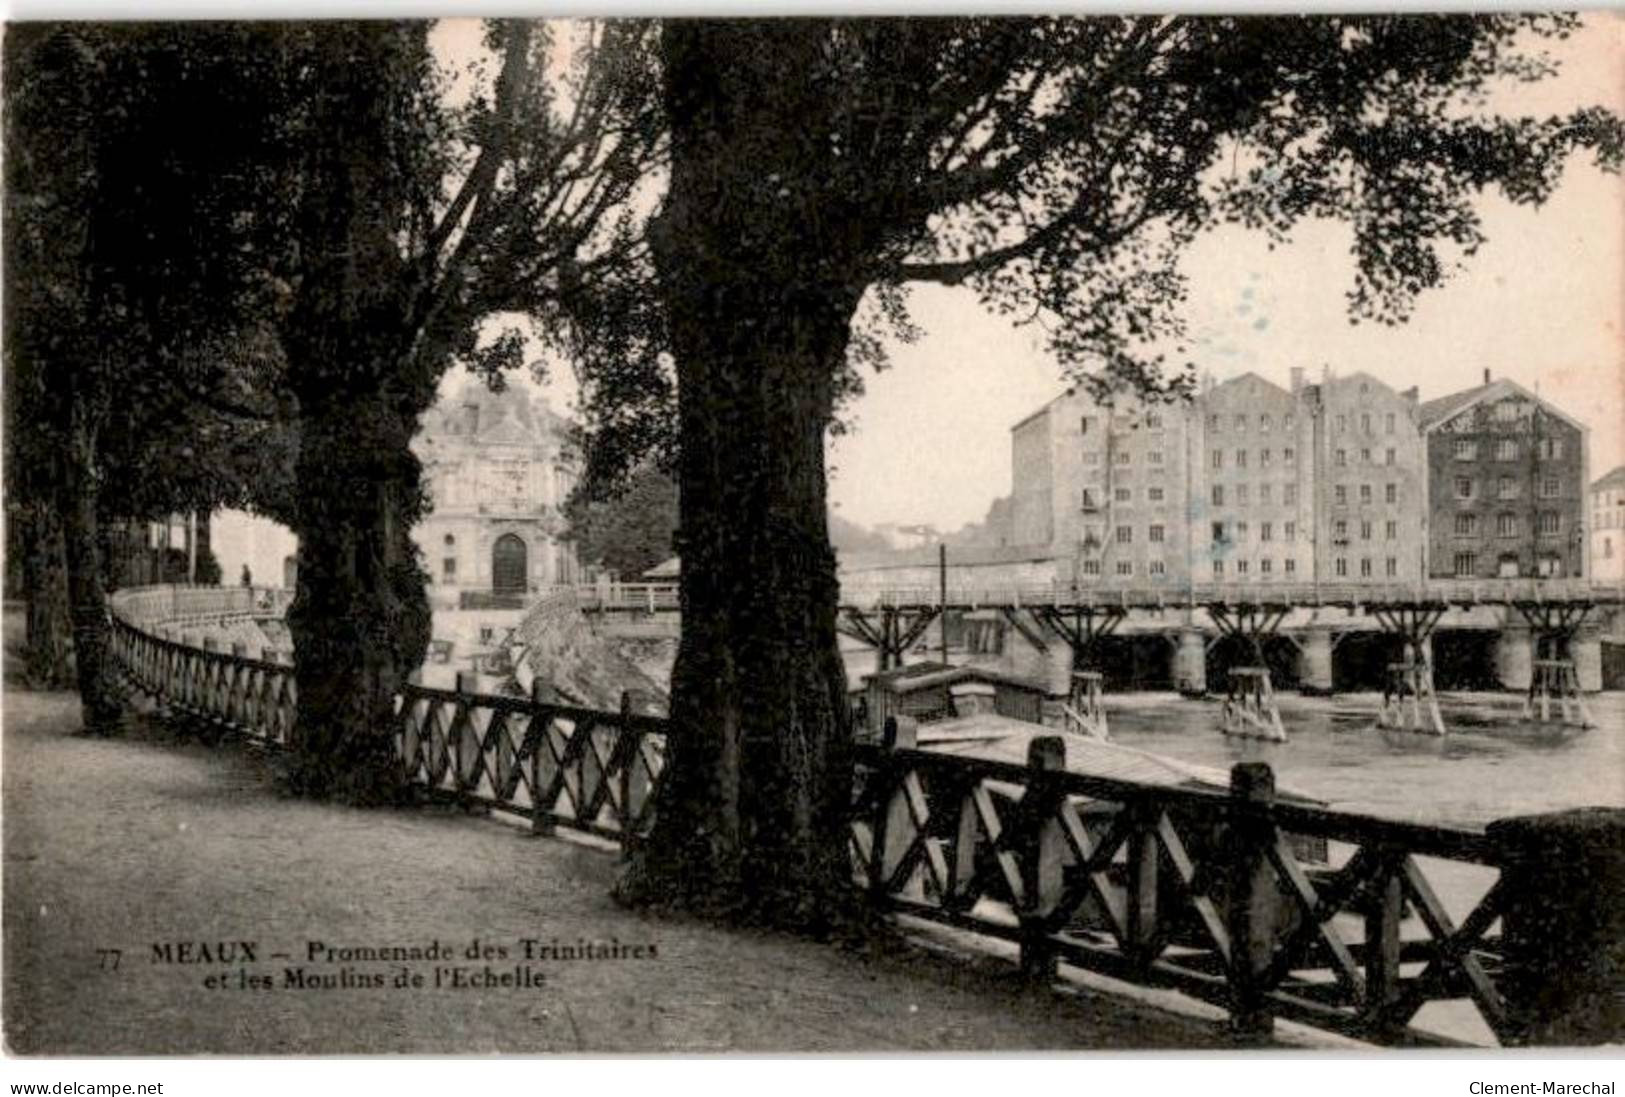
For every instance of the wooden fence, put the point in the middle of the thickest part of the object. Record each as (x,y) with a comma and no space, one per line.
(1195,891)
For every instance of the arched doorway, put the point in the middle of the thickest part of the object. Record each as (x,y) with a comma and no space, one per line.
(509,567)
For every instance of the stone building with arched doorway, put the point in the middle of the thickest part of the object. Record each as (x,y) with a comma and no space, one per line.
(498,467)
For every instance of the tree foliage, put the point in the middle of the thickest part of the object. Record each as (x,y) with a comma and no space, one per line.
(631,531)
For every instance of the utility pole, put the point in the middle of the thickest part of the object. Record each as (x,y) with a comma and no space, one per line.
(942,591)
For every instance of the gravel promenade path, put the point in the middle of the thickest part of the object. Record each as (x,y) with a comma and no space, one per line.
(163,849)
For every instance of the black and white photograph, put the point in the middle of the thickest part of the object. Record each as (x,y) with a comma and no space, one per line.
(835,534)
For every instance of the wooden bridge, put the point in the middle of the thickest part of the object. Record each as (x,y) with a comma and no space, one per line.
(1195,891)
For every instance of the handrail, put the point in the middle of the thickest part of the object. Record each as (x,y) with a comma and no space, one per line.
(1185,888)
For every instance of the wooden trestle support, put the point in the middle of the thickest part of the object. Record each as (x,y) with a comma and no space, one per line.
(1552,676)
(1085,708)
(1409,702)
(898,629)
(1083,628)
(1250,709)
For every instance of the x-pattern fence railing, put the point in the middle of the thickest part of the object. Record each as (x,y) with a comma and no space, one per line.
(1197,891)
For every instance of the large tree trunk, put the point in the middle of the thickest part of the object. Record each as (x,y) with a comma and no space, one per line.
(48,635)
(86,598)
(360,618)
(752,819)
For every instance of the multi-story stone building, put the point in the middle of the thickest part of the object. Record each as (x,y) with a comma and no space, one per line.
(1370,480)
(499,467)
(1106,486)
(1608,526)
(1251,507)
(1506,485)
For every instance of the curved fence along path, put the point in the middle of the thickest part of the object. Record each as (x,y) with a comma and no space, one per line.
(1205,893)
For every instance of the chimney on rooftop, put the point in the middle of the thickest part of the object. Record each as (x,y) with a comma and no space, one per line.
(1486,377)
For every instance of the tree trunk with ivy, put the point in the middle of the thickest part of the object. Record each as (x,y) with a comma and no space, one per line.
(753,813)
(360,618)
(87,599)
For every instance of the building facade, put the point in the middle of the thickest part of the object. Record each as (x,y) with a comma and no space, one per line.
(1506,485)
(1106,486)
(1608,526)
(1370,481)
(1251,507)
(499,467)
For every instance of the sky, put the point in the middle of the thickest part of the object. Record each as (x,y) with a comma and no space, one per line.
(1542,303)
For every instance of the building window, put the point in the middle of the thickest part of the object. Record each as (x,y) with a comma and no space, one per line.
(450,540)
(1466,565)
(1466,525)
(1218,458)
(1365,567)
(1549,488)
(1264,493)
(1390,493)
(1089,500)
(1341,566)
(1154,457)
(1241,495)
(1365,455)
(1122,495)
(1464,487)
(1241,533)
(1342,459)
(1241,424)
(1551,449)
(1388,425)
(1365,493)
(1365,423)
(1388,456)
(1506,411)
(1607,548)
(1263,458)
(1290,531)
(1241,567)
(1265,566)
(1218,533)
(1289,455)
(1120,457)
(1091,567)
(1241,458)
(1506,449)
(1506,525)
(1153,420)
(1289,494)
(1155,533)
(448,569)
(1156,567)
(1391,567)
(1086,423)
(1506,488)
(1265,529)
(1264,423)
(1125,567)
(1213,424)
(1154,494)
(1464,449)
(1290,565)
(1340,495)
(1391,529)
(1342,423)
(1125,534)
(1551,522)
(1340,529)
(1218,495)
(1218,569)
(1365,529)
(1091,457)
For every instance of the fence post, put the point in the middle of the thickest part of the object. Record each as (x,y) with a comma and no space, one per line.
(1563,926)
(1042,855)
(541,820)
(1253,901)
(891,820)
(624,751)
